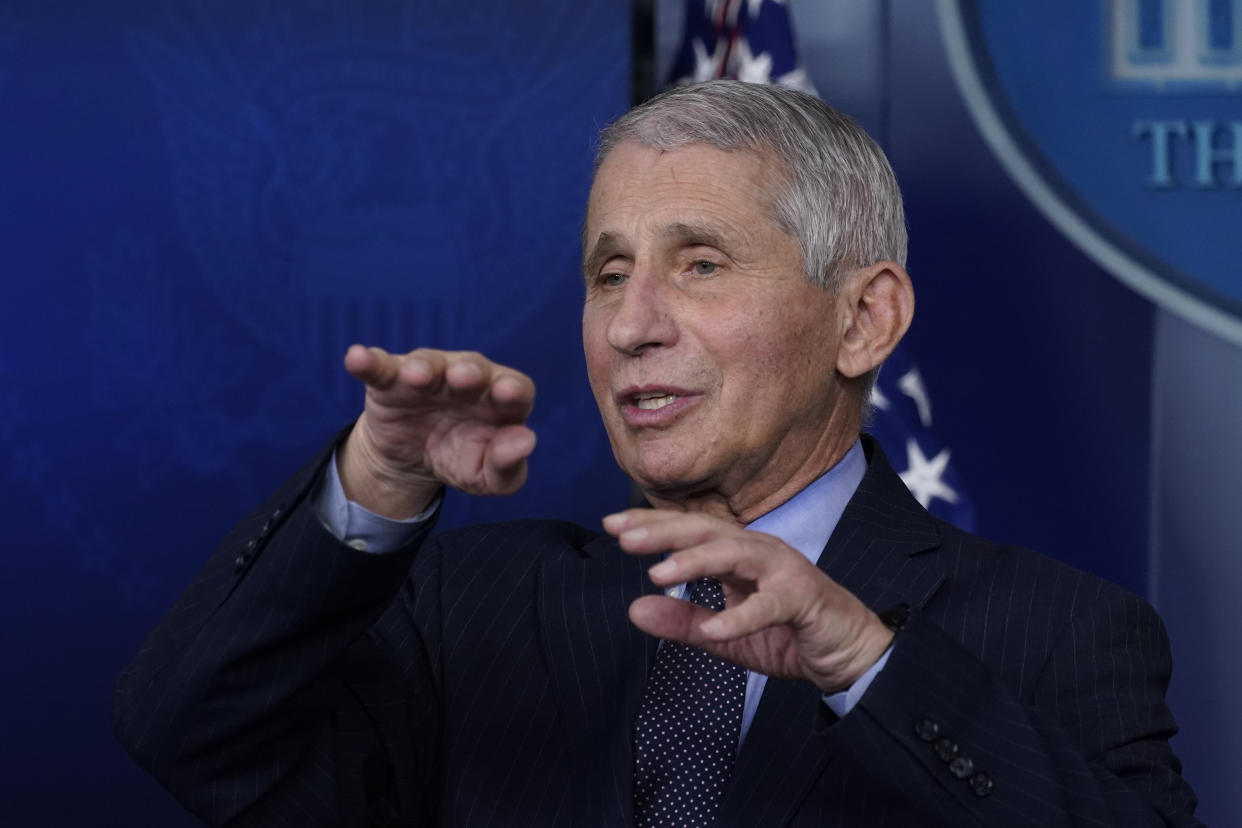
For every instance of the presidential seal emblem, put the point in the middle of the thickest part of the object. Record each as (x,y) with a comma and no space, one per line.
(1122,122)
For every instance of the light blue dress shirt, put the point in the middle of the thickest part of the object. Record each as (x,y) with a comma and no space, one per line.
(804,522)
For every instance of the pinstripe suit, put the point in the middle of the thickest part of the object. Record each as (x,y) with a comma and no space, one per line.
(289,687)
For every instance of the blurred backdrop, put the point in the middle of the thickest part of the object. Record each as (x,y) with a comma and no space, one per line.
(202,202)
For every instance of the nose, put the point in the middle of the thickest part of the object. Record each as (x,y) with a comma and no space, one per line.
(644,318)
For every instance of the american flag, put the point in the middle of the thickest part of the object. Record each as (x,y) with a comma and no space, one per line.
(753,40)
(749,40)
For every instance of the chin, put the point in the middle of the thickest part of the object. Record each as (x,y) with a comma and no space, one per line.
(671,481)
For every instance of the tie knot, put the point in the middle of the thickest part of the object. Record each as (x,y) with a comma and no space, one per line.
(707,592)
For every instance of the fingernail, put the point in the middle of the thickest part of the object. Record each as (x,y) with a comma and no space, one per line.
(712,627)
(615,521)
(664,569)
(508,385)
(418,368)
(634,535)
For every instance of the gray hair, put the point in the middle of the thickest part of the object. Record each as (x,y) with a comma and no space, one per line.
(839,198)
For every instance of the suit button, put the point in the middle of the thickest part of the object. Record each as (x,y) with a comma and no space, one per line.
(240,563)
(981,784)
(962,767)
(267,527)
(946,750)
(252,544)
(927,730)
(279,511)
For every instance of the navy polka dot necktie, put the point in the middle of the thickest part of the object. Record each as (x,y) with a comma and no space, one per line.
(687,730)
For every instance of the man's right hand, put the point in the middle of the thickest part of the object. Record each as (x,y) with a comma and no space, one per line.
(434,418)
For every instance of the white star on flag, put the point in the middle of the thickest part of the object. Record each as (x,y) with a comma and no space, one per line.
(753,68)
(924,478)
(706,66)
(911,384)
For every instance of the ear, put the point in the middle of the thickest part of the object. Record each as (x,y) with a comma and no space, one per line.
(878,304)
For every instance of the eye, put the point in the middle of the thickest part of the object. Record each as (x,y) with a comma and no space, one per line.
(705,268)
(612,279)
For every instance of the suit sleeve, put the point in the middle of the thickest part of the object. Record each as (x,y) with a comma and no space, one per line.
(1085,745)
(261,698)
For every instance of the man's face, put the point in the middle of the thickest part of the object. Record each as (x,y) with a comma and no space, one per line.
(711,357)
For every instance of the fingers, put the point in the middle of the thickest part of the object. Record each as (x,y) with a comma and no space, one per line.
(759,611)
(512,391)
(703,546)
(766,582)
(782,617)
(373,366)
(642,531)
(423,369)
(669,618)
(677,620)
(462,376)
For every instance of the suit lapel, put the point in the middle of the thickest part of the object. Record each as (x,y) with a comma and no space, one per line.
(598,662)
(877,553)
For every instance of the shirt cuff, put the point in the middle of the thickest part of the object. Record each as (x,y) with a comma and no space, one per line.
(844,701)
(357,526)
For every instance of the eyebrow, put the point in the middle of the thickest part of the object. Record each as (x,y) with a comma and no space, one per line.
(605,247)
(693,235)
(682,234)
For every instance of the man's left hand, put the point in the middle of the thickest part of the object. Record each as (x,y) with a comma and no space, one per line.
(783,617)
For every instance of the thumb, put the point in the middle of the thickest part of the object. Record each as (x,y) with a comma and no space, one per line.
(505,458)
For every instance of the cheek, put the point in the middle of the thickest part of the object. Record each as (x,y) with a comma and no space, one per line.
(762,349)
(773,377)
(599,378)
(594,349)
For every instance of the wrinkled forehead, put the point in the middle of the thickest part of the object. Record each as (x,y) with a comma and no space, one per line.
(762,190)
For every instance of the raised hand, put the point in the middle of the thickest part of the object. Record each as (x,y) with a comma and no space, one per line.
(783,616)
(434,418)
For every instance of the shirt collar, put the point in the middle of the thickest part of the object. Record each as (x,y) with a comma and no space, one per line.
(807,519)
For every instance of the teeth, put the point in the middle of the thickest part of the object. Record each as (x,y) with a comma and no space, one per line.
(650,402)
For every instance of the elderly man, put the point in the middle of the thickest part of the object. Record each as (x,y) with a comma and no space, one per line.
(786,638)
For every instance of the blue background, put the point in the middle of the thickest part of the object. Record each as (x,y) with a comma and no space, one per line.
(202,203)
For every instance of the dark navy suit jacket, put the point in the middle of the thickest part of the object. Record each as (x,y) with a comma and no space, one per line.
(490,677)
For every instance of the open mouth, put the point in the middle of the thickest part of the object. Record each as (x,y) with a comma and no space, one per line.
(652,400)
(653,405)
